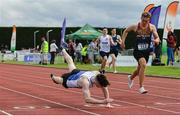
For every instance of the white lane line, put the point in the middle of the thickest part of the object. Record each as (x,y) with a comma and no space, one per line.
(4,112)
(124,90)
(21,67)
(157,87)
(119,101)
(125,83)
(43,99)
(159,103)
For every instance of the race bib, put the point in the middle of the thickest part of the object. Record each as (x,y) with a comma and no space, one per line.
(143,46)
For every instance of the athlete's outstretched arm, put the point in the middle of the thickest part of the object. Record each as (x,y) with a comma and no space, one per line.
(125,33)
(105,92)
(87,96)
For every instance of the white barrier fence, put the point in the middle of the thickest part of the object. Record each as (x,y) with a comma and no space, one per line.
(128,61)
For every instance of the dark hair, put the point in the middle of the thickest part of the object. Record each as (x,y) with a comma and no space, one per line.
(146,15)
(102,80)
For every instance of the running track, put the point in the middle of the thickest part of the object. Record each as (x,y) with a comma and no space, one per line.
(28,90)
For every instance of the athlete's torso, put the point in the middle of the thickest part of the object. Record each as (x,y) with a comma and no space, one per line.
(72,81)
(143,38)
(105,43)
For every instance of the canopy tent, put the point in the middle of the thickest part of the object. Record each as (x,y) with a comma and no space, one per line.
(87,32)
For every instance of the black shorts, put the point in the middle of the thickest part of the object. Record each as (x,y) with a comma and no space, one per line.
(141,54)
(65,76)
(102,54)
(114,51)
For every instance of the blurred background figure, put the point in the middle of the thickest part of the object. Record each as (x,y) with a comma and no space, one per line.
(91,50)
(78,52)
(71,49)
(44,51)
(53,51)
(171,44)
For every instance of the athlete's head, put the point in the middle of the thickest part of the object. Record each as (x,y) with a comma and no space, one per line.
(113,31)
(105,31)
(145,18)
(102,80)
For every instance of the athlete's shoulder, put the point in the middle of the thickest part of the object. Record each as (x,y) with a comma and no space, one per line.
(132,27)
(152,27)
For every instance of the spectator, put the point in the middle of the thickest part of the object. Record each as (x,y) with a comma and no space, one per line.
(91,50)
(71,49)
(171,44)
(53,51)
(44,51)
(78,52)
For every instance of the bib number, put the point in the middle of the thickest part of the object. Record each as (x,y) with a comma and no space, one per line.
(143,46)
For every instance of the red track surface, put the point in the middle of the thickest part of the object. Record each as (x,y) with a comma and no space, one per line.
(28,90)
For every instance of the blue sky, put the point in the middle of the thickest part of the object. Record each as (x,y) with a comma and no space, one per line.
(98,13)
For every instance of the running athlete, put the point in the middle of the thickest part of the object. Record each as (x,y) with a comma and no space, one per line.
(114,50)
(105,41)
(84,80)
(144,30)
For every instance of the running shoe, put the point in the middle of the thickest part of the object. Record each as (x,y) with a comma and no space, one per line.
(52,78)
(130,82)
(142,90)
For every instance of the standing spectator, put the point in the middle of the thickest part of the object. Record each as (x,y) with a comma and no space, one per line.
(91,49)
(177,53)
(71,49)
(53,51)
(2,52)
(171,44)
(78,52)
(44,51)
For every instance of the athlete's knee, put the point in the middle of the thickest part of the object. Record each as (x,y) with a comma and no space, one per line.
(142,63)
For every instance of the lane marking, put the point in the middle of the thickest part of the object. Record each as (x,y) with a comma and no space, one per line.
(102,105)
(159,103)
(4,112)
(126,90)
(120,101)
(43,99)
(110,81)
(30,107)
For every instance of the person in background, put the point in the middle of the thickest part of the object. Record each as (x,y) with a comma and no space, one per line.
(171,44)
(114,49)
(104,41)
(44,51)
(78,52)
(53,51)
(91,49)
(2,52)
(71,49)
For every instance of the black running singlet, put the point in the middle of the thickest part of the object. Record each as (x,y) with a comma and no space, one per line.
(143,39)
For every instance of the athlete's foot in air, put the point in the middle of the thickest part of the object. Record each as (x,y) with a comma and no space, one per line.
(52,78)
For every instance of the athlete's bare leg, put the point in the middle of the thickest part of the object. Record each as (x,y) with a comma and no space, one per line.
(142,63)
(103,64)
(113,62)
(71,66)
(69,60)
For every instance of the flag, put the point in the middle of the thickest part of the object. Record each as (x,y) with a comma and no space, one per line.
(63,31)
(13,39)
(155,13)
(169,22)
(148,7)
